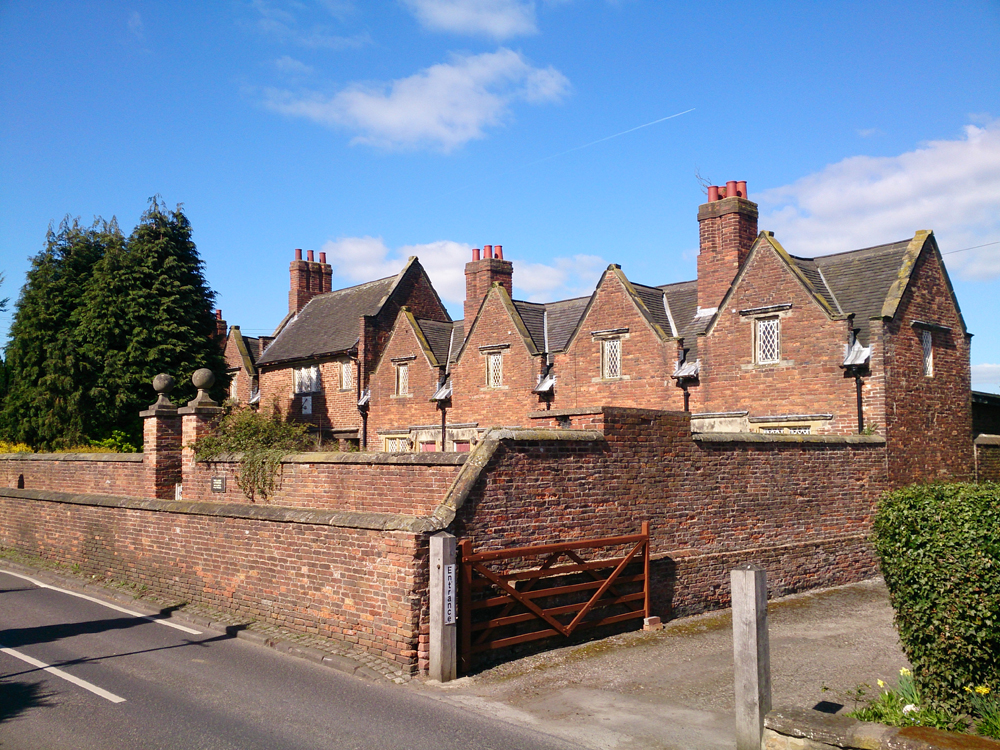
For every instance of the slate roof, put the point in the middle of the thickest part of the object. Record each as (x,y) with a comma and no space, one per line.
(329,323)
(439,337)
(860,280)
(682,299)
(652,298)
(564,317)
(533,316)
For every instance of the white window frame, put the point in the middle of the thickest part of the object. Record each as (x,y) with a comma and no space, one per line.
(403,379)
(346,375)
(307,379)
(494,369)
(767,348)
(611,358)
(234,389)
(927,343)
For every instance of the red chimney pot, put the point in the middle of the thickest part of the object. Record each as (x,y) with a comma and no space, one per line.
(298,253)
(741,188)
(475,253)
(731,189)
(322,257)
(310,256)
(713,193)
(498,251)
(218,314)
(487,251)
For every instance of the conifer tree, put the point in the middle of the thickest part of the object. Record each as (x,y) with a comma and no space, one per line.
(147,310)
(44,405)
(99,317)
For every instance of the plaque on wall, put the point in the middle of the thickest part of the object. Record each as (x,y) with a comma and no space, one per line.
(218,484)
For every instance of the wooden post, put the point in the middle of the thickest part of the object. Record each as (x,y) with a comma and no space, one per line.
(751,654)
(465,610)
(444,608)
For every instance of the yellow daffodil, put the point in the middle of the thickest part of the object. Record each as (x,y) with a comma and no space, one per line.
(905,672)
(881,684)
(983,690)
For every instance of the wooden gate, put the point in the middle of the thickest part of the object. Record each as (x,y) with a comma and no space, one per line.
(521,602)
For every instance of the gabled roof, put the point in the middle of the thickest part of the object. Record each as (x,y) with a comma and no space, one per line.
(866,283)
(329,323)
(514,310)
(247,347)
(533,316)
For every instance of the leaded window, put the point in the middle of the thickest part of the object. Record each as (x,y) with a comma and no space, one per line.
(307,379)
(402,379)
(397,445)
(928,343)
(494,370)
(346,375)
(768,344)
(611,358)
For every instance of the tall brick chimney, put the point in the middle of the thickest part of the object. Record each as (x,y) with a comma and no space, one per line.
(308,278)
(727,228)
(480,274)
(220,329)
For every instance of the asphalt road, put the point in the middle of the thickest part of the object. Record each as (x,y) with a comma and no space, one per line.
(123,680)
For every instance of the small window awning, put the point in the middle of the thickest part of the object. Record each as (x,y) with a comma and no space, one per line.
(857,355)
(687,370)
(443,393)
(366,396)
(545,385)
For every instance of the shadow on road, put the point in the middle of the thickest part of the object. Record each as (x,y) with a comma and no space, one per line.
(17,637)
(18,697)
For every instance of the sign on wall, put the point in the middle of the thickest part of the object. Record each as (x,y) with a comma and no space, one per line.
(449,595)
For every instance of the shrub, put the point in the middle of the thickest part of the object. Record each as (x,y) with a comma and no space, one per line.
(939,547)
(260,440)
(6,447)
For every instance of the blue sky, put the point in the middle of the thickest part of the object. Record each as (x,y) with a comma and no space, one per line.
(376,130)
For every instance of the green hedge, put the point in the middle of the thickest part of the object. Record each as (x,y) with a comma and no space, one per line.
(939,546)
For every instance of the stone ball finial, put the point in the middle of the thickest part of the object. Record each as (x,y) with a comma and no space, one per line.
(203,379)
(163,383)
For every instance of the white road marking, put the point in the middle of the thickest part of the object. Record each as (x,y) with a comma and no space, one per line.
(115,607)
(65,675)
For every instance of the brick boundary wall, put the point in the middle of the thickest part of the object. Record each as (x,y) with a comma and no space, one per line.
(800,506)
(987,458)
(408,483)
(355,577)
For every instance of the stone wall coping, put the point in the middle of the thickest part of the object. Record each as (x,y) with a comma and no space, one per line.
(760,437)
(987,439)
(355,458)
(829,730)
(575,412)
(274,513)
(135,458)
(484,451)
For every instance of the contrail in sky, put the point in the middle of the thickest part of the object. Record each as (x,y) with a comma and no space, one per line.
(578,148)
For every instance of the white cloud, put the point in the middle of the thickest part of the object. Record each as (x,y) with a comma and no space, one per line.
(443,106)
(500,19)
(360,259)
(281,21)
(952,187)
(291,66)
(135,26)
(564,278)
(986,378)
(869,132)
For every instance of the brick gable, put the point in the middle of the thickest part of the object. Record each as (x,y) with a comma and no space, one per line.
(648,354)
(807,379)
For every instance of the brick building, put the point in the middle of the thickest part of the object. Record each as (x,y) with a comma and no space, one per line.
(868,340)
